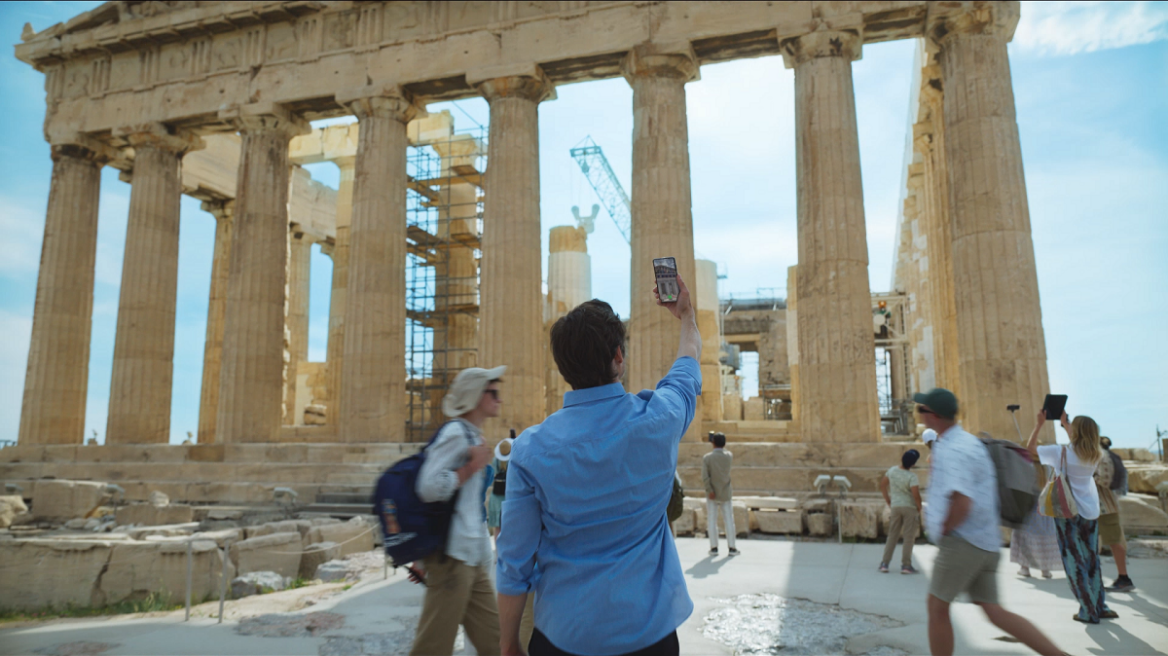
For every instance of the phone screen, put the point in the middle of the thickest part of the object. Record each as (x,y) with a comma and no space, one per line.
(665,269)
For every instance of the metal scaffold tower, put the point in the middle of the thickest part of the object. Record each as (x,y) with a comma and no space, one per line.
(612,195)
(444,222)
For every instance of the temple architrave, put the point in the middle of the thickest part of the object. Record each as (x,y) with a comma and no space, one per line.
(215,100)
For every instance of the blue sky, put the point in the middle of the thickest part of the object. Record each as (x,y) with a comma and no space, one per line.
(1091,86)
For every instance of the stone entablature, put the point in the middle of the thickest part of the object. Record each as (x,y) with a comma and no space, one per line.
(119,64)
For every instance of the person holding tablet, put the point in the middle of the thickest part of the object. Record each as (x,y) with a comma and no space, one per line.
(1078,536)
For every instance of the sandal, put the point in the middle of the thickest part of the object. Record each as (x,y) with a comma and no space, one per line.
(1083,620)
(1108,615)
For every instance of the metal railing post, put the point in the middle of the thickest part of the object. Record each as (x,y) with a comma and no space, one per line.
(223,578)
(190,567)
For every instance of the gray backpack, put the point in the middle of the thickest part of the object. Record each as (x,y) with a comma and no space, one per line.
(1017,484)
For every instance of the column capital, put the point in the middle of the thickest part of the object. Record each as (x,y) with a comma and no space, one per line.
(380,100)
(984,18)
(922,136)
(821,43)
(222,210)
(159,136)
(654,60)
(527,82)
(264,117)
(78,145)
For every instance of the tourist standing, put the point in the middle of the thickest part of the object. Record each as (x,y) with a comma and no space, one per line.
(902,492)
(458,580)
(587,492)
(1110,481)
(962,519)
(496,495)
(1078,536)
(1035,543)
(719,494)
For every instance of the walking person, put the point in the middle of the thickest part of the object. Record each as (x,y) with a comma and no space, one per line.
(902,492)
(1078,536)
(719,494)
(962,519)
(587,491)
(1111,482)
(458,580)
(1035,543)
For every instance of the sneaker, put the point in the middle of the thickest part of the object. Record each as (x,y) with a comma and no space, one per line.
(1122,584)
(733,551)
(908,569)
(884,567)
(714,551)
(1024,571)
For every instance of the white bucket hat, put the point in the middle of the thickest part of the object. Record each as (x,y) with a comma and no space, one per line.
(467,389)
(929,435)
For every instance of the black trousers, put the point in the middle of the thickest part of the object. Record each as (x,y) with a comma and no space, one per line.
(541,646)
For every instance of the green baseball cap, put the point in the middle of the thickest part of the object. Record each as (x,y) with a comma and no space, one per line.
(940,400)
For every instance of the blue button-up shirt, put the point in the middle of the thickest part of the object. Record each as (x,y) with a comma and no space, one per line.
(586,496)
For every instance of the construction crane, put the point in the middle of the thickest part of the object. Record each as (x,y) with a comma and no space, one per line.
(612,195)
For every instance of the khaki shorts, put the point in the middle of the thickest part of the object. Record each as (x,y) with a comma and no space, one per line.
(1110,530)
(962,567)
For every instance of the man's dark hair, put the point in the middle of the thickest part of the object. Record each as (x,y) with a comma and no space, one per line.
(1105,442)
(584,342)
(718,439)
(910,458)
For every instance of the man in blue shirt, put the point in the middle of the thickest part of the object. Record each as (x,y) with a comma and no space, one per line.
(584,524)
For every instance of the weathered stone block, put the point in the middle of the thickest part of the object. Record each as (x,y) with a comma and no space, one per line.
(1145,478)
(858,520)
(10,507)
(42,573)
(148,514)
(353,536)
(780,522)
(221,537)
(1141,515)
(684,525)
(316,555)
(819,524)
(138,569)
(279,552)
(333,571)
(255,583)
(55,500)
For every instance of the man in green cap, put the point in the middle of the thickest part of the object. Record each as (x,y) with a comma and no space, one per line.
(962,520)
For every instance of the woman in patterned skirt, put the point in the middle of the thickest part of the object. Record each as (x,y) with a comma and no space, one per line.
(1035,543)
(1078,536)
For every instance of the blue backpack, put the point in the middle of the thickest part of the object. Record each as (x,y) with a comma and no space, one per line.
(412,529)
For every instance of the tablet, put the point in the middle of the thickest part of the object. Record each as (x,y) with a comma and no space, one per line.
(1054,405)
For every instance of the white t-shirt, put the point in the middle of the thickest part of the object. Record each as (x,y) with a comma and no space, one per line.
(1080,475)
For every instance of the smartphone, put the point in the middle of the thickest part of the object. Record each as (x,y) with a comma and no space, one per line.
(1054,405)
(665,269)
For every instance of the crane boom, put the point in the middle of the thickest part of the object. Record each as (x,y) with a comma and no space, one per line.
(594,166)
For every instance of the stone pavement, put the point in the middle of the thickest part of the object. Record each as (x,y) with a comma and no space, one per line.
(378,616)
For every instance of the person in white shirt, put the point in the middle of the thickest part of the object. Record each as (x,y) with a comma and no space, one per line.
(459,587)
(962,520)
(1078,536)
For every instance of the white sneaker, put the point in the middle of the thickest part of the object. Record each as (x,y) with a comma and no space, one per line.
(1025,571)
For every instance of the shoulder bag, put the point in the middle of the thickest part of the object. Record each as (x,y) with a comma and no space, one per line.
(1056,499)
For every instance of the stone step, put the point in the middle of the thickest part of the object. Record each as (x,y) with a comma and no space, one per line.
(229,453)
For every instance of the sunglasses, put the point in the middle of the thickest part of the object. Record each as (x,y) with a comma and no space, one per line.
(494,393)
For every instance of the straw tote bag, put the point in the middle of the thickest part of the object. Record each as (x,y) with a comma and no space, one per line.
(1056,499)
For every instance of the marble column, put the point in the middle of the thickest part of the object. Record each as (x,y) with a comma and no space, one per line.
(55,383)
(299,275)
(143,364)
(335,350)
(251,379)
(511,311)
(569,285)
(223,212)
(1001,345)
(662,219)
(836,343)
(373,381)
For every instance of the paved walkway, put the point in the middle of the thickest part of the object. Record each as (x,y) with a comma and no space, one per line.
(377,616)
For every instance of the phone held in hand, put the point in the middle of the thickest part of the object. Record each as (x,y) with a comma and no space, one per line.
(665,269)
(1054,405)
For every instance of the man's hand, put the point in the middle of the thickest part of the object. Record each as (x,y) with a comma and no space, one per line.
(1066,422)
(682,306)
(710,496)
(479,456)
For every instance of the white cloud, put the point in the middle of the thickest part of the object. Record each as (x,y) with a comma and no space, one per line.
(1067,28)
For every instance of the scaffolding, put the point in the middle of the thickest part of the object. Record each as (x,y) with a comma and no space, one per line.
(444,222)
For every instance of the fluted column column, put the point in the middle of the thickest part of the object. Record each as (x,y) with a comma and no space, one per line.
(143,364)
(836,343)
(252,374)
(662,218)
(1001,344)
(373,381)
(335,354)
(223,212)
(55,383)
(511,310)
(299,276)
